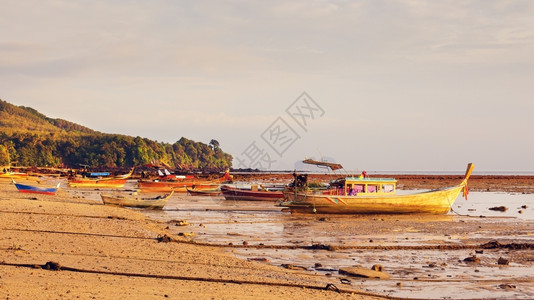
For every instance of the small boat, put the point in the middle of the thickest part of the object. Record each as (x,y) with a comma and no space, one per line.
(180,185)
(8,174)
(106,182)
(253,194)
(363,195)
(25,188)
(98,183)
(138,202)
(204,191)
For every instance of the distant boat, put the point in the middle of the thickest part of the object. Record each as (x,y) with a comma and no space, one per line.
(363,195)
(253,194)
(24,188)
(180,185)
(97,183)
(205,191)
(106,182)
(139,202)
(8,174)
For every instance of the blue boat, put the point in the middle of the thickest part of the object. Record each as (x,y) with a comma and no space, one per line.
(24,188)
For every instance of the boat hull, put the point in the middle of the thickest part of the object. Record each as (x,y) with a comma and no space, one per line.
(176,186)
(231,193)
(152,203)
(431,202)
(204,192)
(22,188)
(97,183)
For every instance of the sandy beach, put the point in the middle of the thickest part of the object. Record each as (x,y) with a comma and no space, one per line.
(68,246)
(106,252)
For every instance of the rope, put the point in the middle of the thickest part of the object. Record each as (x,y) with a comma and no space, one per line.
(53,266)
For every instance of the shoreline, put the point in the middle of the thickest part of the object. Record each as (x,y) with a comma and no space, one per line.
(108,252)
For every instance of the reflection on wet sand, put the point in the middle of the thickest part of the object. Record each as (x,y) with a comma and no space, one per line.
(424,254)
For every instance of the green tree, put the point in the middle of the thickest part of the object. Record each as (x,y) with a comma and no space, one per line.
(4,156)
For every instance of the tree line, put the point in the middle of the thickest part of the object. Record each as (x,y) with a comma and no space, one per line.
(108,150)
(29,138)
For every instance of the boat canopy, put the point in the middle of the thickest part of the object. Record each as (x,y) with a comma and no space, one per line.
(332,166)
(96,174)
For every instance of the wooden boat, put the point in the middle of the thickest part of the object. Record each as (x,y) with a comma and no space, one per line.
(138,202)
(195,191)
(253,194)
(25,188)
(357,195)
(105,182)
(181,185)
(16,175)
(98,183)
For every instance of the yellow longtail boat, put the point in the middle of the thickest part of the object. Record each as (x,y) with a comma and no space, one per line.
(361,195)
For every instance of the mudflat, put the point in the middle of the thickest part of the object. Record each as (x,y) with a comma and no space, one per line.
(69,246)
(65,247)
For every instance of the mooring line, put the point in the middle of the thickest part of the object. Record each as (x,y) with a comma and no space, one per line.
(67,215)
(489,245)
(53,266)
(80,233)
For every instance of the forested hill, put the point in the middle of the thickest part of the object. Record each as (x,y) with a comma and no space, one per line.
(29,138)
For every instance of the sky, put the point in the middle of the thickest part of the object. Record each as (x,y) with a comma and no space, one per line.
(396,85)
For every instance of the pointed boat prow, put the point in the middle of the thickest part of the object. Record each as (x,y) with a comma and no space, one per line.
(468,172)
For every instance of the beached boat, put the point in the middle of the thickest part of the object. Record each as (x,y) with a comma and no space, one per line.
(16,175)
(106,182)
(253,194)
(97,183)
(136,201)
(33,189)
(363,195)
(181,185)
(213,191)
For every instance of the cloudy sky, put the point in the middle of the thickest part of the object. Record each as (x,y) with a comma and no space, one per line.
(375,85)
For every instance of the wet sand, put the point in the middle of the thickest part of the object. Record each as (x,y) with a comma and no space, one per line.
(107,252)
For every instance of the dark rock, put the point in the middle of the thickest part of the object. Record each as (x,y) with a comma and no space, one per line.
(472,259)
(260,259)
(293,267)
(499,208)
(52,266)
(377,267)
(365,273)
(506,286)
(503,261)
(164,239)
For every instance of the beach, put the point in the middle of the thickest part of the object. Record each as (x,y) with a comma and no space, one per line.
(71,246)
(107,252)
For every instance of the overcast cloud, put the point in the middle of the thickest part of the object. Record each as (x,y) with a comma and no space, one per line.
(404,85)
